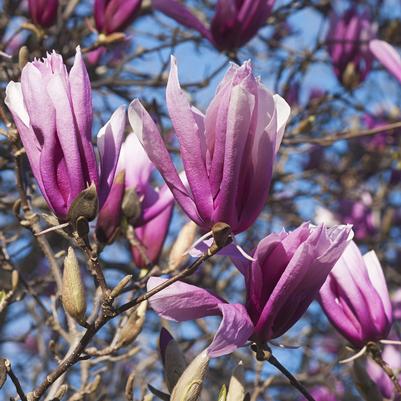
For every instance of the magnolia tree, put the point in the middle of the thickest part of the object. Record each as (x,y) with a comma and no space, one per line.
(200,200)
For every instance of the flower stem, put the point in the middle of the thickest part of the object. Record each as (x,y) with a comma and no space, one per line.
(264,353)
(375,353)
(103,318)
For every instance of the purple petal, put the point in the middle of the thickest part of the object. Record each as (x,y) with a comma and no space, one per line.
(152,236)
(351,301)
(182,301)
(109,141)
(191,138)
(234,331)
(235,23)
(182,15)
(148,134)
(283,113)
(387,55)
(99,14)
(377,279)
(81,97)
(164,199)
(137,164)
(164,339)
(238,124)
(15,102)
(43,13)
(120,14)
(67,137)
(109,218)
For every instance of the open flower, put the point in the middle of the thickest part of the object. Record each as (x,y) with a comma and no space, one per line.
(228,154)
(52,110)
(355,298)
(287,273)
(234,23)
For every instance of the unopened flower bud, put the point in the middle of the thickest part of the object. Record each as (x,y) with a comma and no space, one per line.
(132,325)
(189,386)
(85,205)
(350,78)
(172,357)
(131,205)
(61,392)
(236,390)
(14,280)
(185,239)
(23,57)
(222,235)
(73,291)
(222,393)
(120,286)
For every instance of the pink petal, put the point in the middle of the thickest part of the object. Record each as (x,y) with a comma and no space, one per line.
(387,55)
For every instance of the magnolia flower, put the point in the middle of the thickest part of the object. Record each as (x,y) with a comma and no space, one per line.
(228,154)
(355,298)
(148,209)
(115,15)
(287,273)
(53,114)
(43,12)
(234,23)
(348,39)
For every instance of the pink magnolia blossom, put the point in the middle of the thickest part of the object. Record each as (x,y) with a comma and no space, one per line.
(134,172)
(287,273)
(43,12)
(235,22)
(355,298)
(52,110)
(228,154)
(348,39)
(115,15)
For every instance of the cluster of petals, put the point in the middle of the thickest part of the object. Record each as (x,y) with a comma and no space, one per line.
(52,110)
(348,45)
(228,154)
(355,298)
(285,277)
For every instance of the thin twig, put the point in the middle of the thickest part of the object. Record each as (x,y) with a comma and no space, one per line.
(15,380)
(375,353)
(329,139)
(107,315)
(264,353)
